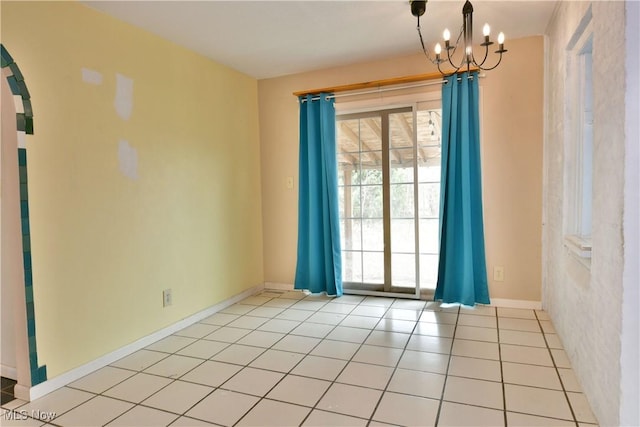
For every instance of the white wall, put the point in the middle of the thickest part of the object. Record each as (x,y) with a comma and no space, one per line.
(630,358)
(585,304)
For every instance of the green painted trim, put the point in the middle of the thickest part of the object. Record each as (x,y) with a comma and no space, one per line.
(28,110)
(22,157)
(24,123)
(16,71)
(24,92)
(6,58)
(13,85)
(38,373)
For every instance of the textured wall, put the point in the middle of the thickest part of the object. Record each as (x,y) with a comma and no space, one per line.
(630,359)
(585,304)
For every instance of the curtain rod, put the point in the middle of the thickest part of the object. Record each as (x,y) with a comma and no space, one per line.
(375,83)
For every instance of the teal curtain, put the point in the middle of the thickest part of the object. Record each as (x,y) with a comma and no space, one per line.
(462,274)
(319,264)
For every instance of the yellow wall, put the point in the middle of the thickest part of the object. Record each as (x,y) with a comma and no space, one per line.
(511,112)
(104,245)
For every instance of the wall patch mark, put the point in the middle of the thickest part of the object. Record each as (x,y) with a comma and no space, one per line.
(124,96)
(91,76)
(128,160)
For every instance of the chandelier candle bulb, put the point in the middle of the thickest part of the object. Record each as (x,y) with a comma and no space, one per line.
(446,35)
(486,31)
(501,48)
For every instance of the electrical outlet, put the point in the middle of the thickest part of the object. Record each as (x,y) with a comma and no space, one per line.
(167,298)
(498,274)
(290,182)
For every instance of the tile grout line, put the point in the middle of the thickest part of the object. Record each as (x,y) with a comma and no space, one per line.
(333,382)
(446,375)
(261,398)
(265,349)
(308,353)
(395,368)
(213,389)
(555,365)
(504,391)
(288,372)
(141,403)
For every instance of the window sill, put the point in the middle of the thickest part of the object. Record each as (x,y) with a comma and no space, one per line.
(579,246)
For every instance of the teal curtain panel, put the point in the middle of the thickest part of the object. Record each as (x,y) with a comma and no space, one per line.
(462,273)
(319,264)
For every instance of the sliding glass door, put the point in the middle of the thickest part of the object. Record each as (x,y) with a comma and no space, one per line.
(361,195)
(386,162)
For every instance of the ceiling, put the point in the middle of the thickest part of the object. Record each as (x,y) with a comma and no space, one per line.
(266,39)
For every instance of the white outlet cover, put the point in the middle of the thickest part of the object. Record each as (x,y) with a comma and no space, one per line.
(167,298)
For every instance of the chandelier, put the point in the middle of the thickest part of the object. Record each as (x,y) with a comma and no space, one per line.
(467,59)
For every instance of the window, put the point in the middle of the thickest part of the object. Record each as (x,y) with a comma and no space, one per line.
(579,143)
(389,192)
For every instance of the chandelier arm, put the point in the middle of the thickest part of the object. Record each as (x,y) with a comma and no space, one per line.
(486,54)
(445,74)
(497,63)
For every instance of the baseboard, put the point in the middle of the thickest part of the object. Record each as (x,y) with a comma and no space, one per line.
(8,372)
(516,303)
(278,286)
(68,377)
(21,392)
(427,294)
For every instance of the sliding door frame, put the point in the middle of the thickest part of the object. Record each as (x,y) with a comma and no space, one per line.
(387,288)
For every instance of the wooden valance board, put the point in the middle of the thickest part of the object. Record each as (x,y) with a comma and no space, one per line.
(376,83)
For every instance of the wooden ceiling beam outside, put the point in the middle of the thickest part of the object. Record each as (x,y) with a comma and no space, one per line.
(349,155)
(356,140)
(408,133)
(371,124)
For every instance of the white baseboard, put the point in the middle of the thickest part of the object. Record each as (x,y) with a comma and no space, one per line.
(428,295)
(516,303)
(21,392)
(75,374)
(8,372)
(278,286)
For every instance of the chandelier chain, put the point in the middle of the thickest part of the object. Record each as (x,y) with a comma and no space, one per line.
(426,52)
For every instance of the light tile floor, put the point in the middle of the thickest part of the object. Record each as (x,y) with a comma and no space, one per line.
(288,359)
